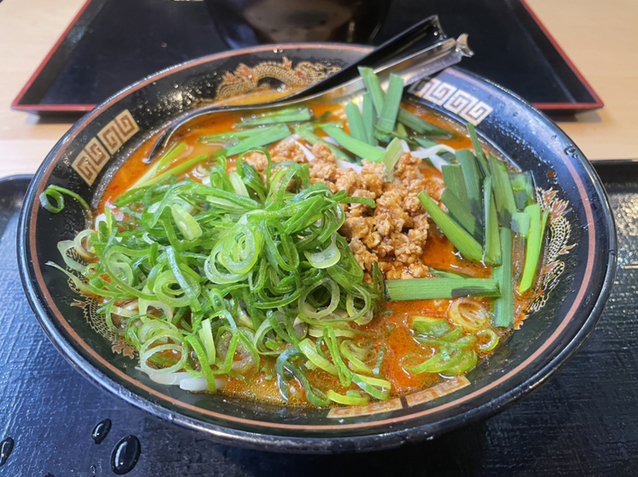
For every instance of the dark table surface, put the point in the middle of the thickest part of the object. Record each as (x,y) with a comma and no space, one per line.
(583,422)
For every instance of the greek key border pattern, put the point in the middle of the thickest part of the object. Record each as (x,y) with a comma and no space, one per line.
(455,100)
(99,150)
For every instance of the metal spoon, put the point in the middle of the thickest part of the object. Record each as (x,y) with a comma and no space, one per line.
(346,85)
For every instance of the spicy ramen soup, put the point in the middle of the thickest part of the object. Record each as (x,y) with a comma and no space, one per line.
(315,255)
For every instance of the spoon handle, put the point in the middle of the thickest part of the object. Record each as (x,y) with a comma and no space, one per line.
(412,68)
(428,61)
(428,31)
(440,54)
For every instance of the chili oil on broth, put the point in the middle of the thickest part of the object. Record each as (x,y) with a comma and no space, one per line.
(135,168)
(391,327)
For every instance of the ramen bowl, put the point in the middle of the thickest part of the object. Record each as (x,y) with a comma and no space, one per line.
(576,277)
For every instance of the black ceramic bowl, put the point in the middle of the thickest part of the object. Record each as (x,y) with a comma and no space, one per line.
(577,275)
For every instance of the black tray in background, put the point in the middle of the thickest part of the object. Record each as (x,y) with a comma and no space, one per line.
(113,43)
(583,422)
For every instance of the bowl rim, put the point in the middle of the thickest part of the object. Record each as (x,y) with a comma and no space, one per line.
(257,439)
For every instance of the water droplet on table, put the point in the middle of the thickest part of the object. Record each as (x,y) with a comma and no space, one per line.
(125,455)
(101,430)
(6,446)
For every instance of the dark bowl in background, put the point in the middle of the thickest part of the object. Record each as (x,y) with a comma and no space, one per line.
(244,23)
(577,286)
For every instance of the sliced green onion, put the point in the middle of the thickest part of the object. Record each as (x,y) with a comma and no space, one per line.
(504,305)
(368,118)
(355,122)
(286,371)
(79,284)
(469,314)
(325,116)
(343,372)
(392,154)
(324,258)
(520,223)
(533,247)
(306,308)
(175,171)
(447,273)
(373,386)
(440,288)
(232,135)
(421,126)
(229,201)
(373,86)
(289,115)
(503,195)
(467,363)
(314,125)
(63,247)
(348,349)
(478,150)
(446,156)
(313,139)
(238,184)
(461,214)
(460,238)
(437,363)
(351,144)
(55,192)
(317,332)
(387,136)
(473,181)
(377,365)
(489,342)
(430,326)
(206,337)
(239,250)
(426,143)
(307,347)
(455,182)
(186,223)
(492,234)
(350,399)
(466,341)
(391,102)
(161,163)
(454,334)
(202,357)
(185,277)
(268,136)
(523,188)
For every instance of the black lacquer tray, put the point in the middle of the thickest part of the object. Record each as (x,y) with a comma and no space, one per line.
(113,43)
(584,422)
